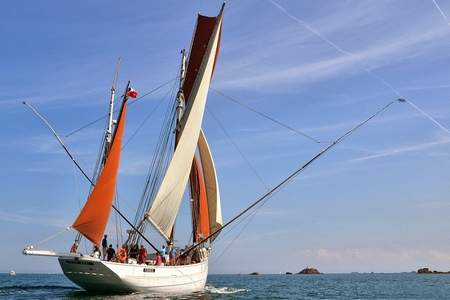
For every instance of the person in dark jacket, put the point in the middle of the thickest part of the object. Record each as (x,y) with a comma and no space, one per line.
(104,247)
(110,253)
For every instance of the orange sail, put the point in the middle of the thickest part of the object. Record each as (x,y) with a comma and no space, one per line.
(93,218)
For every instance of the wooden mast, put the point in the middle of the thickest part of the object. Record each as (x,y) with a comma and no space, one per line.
(180,102)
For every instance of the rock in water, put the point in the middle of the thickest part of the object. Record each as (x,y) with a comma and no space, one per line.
(288,273)
(309,271)
(429,271)
(424,271)
(254,273)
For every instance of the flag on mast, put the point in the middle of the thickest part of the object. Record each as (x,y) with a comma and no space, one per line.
(132,93)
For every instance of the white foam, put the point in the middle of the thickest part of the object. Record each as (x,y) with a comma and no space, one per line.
(224,290)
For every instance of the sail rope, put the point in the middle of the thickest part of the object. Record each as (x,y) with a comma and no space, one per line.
(251,215)
(290,177)
(158,164)
(249,219)
(162,152)
(116,110)
(146,118)
(266,116)
(247,161)
(78,193)
(118,223)
(51,237)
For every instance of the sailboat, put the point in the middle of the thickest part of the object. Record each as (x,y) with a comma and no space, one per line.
(191,164)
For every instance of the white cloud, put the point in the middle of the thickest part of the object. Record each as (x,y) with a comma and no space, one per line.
(309,72)
(402,149)
(34,217)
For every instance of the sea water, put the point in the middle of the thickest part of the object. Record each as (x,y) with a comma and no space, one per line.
(324,286)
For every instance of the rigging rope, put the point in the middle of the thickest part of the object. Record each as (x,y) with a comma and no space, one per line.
(50,237)
(250,218)
(289,178)
(266,116)
(159,162)
(116,110)
(252,168)
(253,214)
(147,117)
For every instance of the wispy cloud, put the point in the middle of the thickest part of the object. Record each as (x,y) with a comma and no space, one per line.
(402,149)
(325,68)
(441,12)
(267,69)
(376,254)
(34,217)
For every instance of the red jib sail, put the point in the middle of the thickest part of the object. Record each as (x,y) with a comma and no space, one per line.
(93,218)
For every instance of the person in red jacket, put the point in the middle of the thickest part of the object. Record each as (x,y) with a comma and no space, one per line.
(142,255)
(158,261)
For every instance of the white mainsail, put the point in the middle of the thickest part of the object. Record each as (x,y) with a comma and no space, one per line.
(212,186)
(164,209)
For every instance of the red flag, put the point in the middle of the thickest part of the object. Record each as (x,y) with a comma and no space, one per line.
(132,93)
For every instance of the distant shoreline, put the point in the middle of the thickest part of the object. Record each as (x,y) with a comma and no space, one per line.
(261,274)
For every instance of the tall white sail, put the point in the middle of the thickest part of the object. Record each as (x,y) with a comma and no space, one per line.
(164,209)
(211,183)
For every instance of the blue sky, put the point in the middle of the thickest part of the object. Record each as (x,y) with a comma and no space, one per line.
(378,202)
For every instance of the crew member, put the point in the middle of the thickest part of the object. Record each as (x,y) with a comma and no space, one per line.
(104,247)
(142,255)
(110,252)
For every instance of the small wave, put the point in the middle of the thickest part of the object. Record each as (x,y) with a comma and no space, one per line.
(224,290)
(36,287)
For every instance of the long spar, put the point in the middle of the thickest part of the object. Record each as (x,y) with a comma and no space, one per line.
(290,177)
(81,169)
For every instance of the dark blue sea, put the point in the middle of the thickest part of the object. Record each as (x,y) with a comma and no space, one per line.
(324,286)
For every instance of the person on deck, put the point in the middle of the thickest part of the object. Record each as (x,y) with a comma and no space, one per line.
(163,253)
(96,252)
(104,247)
(158,260)
(122,254)
(110,252)
(142,255)
(173,256)
(134,251)
(74,247)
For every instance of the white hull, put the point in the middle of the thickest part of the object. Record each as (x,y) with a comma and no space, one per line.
(93,274)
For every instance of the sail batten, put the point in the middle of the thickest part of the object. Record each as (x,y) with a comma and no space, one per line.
(93,218)
(165,206)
